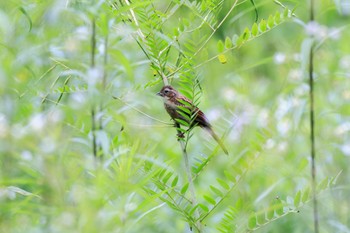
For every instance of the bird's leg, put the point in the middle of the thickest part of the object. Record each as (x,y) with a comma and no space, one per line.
(180,134)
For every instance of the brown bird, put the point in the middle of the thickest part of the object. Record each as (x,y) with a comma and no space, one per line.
(181,109)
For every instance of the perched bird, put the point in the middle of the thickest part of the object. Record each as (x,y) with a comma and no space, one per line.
(181,109)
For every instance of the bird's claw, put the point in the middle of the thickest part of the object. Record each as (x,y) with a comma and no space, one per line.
(180,135)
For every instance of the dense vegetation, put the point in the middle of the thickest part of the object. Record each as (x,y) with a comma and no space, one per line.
(86,145)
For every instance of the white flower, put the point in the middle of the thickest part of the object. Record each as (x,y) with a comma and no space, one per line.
(283,127)
(345,149)
(27,155)
(37,122)
(270,143)
(78,100)
(295,75)
(94,75)
(229,94)
(82,33)
(279,58)
(4,127)
(342,129)
(343,6)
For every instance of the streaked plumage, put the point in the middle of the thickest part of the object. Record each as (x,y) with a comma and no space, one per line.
(173,99)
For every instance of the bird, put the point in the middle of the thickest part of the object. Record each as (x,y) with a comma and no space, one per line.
(181,110)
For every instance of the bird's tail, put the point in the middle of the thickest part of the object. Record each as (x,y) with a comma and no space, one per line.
(217,139)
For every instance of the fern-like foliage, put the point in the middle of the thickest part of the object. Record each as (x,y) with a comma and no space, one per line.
(256,30)
(173,56)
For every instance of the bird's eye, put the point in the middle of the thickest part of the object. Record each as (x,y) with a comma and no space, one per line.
(166,91)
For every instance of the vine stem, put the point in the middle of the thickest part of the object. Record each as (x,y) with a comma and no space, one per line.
(312,127)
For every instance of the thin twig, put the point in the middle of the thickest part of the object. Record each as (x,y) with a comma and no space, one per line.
(139,111)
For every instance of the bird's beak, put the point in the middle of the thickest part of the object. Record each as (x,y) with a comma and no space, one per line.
(160,94)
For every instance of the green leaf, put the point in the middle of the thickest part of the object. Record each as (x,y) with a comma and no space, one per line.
(185,22)
(239,204)
(209,199)
(277,18)
(161,173)
(260,218)
(220,46)
(184,189)
(262,25)
(20,191)
(216,191)
(255,29)
(184,102)
(229,176)
(270,213)
(279,207)
(246,34)
(167,177)
(333,181)
(286,13)
(297,199)
(223,184)
(175,180)
(185,109)
(323,184)
(302,164)
(228,43)
(270,21)
(222,58)
(193,209)
(252,221)
(181,27)
(176,32)
(160,185)
(204,207)
(305,196)
(182,130)
(240,40)
(182,122)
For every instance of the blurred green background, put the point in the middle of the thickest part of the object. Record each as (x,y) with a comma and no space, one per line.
(50,180)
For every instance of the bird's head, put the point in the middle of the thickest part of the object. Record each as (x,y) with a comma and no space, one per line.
(167,92)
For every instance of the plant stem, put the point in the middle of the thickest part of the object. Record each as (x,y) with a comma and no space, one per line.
(93,120)
(93,43)
(190,184)
(312,127)
(312,139)
(93,128)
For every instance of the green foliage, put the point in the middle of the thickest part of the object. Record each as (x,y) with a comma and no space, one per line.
(85,146)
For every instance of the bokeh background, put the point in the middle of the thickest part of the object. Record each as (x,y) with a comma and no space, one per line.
(258,99)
